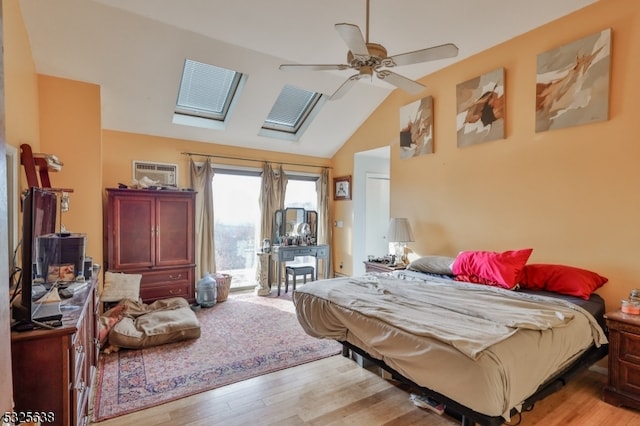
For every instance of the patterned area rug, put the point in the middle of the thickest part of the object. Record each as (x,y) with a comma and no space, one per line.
(245,336)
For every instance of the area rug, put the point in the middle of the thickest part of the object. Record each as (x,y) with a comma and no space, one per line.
(243,337)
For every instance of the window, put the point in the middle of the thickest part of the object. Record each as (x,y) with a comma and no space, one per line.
(236,207)
(207,94)
(292,113)
(301,192)
(236,225)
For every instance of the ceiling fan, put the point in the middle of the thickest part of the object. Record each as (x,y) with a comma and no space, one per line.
(371,58)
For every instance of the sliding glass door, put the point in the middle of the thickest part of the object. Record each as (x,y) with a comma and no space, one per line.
(236,225)
(236,208)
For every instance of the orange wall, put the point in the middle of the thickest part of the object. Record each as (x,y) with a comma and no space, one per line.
(571,194)
(70,128)
(120,149)
(55,116)
(20,80)
(20,125)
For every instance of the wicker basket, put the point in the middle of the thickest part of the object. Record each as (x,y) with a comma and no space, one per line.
(223,284)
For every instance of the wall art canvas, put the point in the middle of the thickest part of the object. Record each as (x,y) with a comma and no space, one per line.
(480,109)
(416,128)
(572,83)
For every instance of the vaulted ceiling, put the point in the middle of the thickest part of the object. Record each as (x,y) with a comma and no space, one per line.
(135,50)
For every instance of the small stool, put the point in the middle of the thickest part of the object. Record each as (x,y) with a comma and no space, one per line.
(296,271)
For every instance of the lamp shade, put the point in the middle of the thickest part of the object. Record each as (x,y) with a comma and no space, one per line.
(399,230)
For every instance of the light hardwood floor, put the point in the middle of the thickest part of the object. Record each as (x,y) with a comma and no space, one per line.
(336,391)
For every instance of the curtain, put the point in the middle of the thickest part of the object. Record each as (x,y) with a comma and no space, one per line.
(274,186)
(272,194)
(201,182)
(324,216)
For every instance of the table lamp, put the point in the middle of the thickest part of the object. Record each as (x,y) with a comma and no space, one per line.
(399,234)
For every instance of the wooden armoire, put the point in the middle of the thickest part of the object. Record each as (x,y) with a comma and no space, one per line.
(151,232)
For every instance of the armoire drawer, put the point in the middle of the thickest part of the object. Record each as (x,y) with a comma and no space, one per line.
(166,276)
(162,284)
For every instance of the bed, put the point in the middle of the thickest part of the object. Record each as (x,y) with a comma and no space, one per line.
(514,346)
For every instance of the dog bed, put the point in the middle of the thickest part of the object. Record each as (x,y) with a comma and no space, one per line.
(135,325)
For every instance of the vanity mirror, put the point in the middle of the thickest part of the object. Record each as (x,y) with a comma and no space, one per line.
(278,227)
(312,220)
(295,222)
(293,217)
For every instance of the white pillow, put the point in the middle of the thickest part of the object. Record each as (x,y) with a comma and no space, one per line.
(118,286)
(433,264)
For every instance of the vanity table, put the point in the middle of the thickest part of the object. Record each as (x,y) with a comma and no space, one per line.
(282,254)
(300,226)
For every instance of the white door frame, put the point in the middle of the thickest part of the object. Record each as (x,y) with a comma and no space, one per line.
(13,199)
(373,161)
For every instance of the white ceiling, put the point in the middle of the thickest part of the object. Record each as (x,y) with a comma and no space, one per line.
(135,50)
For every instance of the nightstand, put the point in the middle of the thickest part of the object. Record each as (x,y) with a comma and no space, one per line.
(381,267)
(624,360)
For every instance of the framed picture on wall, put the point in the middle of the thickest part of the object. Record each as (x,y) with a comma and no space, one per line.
(572,83)
(481,105)
(416,132)
(342,188)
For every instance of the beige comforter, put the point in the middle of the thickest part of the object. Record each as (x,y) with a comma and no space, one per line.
(484,347)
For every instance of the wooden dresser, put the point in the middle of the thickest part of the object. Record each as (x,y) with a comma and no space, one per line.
(623,388)
(151,233)
(53,370)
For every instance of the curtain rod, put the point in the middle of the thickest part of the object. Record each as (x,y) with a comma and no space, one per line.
(229,157)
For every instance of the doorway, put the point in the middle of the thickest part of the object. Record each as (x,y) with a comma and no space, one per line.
(371,200)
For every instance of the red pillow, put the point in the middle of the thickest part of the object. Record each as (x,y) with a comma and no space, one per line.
(488,267)
(562,279)
(476,280)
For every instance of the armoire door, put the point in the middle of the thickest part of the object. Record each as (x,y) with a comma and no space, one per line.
(174,230)
(133,232)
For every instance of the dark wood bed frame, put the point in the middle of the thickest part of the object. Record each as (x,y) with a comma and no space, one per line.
(469,417)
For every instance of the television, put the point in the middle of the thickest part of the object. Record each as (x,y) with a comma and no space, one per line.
(60,258)
(38,218)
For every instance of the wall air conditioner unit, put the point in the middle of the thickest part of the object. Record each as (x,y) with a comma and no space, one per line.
(166,174)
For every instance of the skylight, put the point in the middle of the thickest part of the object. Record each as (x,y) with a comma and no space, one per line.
(292,113)
(206,95)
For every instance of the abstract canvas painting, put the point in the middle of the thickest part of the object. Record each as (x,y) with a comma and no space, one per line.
(480,109)
(416,128)
(572,83)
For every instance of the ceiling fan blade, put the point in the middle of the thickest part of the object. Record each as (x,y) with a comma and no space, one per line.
(352,36)
(443,51)
(314,67)
(345,87)
(401,82)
